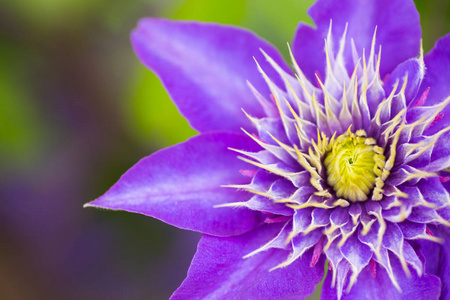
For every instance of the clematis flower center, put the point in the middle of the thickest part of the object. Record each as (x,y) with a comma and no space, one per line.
(354,165)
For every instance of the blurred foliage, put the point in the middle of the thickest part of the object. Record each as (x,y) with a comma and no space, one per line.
(52,12)
(435,20)
(21,125)
(221,11)
(152,116)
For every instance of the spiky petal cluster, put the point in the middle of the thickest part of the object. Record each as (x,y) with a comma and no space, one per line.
(292,182)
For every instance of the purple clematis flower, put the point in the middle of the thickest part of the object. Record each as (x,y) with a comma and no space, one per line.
(340,162)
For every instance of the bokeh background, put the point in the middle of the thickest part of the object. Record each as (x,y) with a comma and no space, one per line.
(76,111)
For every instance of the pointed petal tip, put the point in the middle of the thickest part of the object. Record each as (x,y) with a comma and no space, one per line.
(99,204)
(93,203)
(86,205)
(156,186)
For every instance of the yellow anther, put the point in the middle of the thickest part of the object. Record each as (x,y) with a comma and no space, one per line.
(354,165)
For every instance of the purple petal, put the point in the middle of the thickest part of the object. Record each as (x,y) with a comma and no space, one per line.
(414,69)
(181,184)
(444,262)
(219,271)
(432,253)
(334,256)
(302,243)
(301,220)
(398,31)
(356,253)
(440,157)
(367,287)
(267,205)
(423,215)
(393,241)
(412,230)
(205,68)
(433,191)
(444,213)
(307,46)
(272,125)
(437,76)
(340,215)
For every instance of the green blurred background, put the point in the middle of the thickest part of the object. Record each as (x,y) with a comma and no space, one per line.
(76,111)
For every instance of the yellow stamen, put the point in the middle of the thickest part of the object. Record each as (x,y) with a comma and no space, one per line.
(354,164)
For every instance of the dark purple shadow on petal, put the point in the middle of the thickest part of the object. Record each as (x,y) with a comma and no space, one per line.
(205,66)
(432,253)
(444,260)
(367,287)
(398,32)
(181,184)
(437,257)
(219,271)
(444,257)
